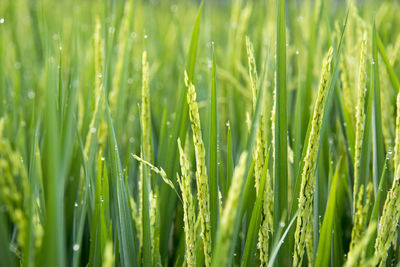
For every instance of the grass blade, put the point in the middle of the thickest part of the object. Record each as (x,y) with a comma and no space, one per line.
(119,202)
(330,222)
(213,152)
(280,151)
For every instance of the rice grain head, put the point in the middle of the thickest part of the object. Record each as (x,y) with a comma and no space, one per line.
(304,227)
(13,193)
(145,109)
(203,193)
(188,208)
(387,233)
(360,117)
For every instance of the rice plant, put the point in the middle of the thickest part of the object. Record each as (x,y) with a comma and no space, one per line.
(199,133)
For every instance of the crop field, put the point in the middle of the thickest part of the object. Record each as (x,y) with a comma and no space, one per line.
(199,133)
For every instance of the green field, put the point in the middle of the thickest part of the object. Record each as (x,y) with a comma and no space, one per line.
(188,133)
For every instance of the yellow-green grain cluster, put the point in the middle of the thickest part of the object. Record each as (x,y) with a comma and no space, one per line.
(360,117)
(15,188)
(145,109)
(259,155)
(203,193)
(387,229)
(155,240)
(304,227)
(189,215)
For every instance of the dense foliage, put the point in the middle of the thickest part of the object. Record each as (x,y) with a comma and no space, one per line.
(171,133)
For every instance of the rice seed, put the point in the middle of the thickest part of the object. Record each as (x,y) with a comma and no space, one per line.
(189,215)
(203,193)
(360,116)
(387,233)
(304,227)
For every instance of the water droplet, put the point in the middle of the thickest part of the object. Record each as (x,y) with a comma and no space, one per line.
(76,247)
(227,123)
(145,36)
(93,130)
(1,20)
(100,75)
(111,29)
(131,140)
(76,204)
(174,8)
(373,62)
(60,48)
(31,95)
(297,52)
(209,63)
(102,158)
(390,152)
(282,224)
(234,254)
